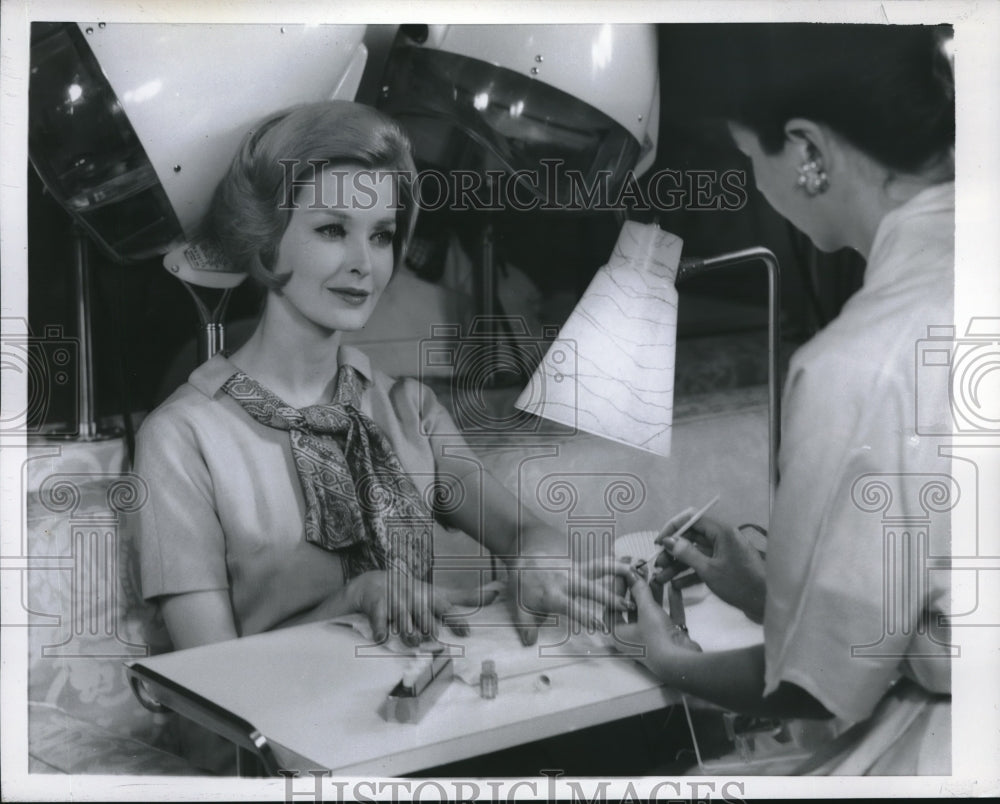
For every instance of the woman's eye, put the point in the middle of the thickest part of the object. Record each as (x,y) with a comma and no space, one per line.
(384,238)
(331,230)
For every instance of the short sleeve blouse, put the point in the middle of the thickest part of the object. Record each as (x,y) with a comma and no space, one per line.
(226,509)
(840,620)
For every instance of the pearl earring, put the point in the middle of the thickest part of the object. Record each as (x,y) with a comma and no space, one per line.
(812,178)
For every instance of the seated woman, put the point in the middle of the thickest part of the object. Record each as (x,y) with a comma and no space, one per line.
(850,130)
(292,481)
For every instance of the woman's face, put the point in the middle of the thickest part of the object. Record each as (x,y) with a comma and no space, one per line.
(775,176)
(338,247)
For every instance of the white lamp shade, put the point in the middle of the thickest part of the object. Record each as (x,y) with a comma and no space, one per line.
(611,372)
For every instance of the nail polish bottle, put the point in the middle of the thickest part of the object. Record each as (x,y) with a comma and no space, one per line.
(488,680)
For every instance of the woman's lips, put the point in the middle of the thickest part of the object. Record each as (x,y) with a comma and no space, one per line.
(351,295)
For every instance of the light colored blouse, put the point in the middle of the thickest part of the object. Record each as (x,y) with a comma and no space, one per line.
(226,509)
(855,472)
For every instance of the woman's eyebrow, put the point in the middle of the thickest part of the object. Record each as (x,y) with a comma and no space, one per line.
(333,212)
(325,211)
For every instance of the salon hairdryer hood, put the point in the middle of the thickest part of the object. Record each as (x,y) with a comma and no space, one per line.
(517,98)
(131,126)
(612,68)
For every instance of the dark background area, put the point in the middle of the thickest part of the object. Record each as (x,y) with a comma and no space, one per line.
(143,317)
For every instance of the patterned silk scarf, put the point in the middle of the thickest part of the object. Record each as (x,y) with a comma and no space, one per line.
(360,502)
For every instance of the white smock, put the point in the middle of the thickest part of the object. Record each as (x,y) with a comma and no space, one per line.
(863,499)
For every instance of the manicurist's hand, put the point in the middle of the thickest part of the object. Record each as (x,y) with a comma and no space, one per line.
(409,606)
(653,628)
(722,556)
(542,584)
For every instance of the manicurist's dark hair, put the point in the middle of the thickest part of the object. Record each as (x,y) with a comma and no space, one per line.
(887,89)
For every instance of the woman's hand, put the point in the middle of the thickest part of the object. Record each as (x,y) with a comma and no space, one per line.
(722,556)
(653,628)
(543,579)
(584,591)
(408,606)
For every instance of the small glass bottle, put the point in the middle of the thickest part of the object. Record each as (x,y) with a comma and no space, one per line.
(488,680)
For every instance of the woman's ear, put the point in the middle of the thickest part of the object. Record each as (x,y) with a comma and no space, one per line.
(812,153)
(807,139)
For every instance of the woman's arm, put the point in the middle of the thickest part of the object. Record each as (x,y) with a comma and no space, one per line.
(202,618)
(488,512)
(198,618)
(182,549)
(733,679)
(491,514)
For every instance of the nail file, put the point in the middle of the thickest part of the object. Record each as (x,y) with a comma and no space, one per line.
(651,560)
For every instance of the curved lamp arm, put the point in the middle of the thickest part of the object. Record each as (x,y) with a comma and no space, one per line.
(696,265)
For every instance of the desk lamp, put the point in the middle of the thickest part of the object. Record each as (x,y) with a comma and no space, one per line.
(131,126)
(611,370)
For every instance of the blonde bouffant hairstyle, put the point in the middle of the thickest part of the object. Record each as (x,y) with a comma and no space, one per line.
(253,202)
